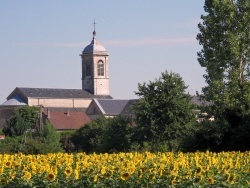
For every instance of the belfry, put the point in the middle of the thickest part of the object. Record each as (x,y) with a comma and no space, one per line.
(95,69)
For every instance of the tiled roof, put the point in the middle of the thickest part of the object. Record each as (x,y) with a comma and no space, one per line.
(66,119)
(127,109)
(113,106)
(94,46)
(197,101)
(55,93)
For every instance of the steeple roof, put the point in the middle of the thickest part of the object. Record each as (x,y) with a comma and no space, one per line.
(94,46)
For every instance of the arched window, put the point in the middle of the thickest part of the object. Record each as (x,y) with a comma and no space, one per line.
(100,68)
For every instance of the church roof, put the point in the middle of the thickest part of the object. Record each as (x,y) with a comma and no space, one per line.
(112,106)
(14,101)
(196,100)
(54,93)
(94,46)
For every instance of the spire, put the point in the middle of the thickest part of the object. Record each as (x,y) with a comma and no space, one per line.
(94,33)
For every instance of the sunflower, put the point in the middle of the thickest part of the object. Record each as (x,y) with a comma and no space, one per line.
(68,172)
(27,175)
(51,176)
(95,178)
(7,164)
(54,168)
(198,170)
(76,174)
(12,175)
(1,170)
(210,180)
(125,176)
(3,181)
(59,155)
(103,171)
(231,178)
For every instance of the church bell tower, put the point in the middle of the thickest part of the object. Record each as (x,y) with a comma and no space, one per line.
(95,75)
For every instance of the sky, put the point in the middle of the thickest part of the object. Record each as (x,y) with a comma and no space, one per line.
(40,42)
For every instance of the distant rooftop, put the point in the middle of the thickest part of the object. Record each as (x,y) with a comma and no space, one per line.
(14,101)
(55,93)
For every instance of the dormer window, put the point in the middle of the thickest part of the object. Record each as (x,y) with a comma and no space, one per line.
(100,68)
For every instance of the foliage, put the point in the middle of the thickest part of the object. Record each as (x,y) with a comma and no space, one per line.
(10,145)
(47,141)
(164,112)
(199,169)
(23,118)
(225,37)
(104,135)
(66,142)
(208,135)
(89,137)
(118,134)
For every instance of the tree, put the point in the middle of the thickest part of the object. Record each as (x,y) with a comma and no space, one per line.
(23,118)
(117,137)
(225,37)
(89,138)
(46,141)
(164,111)
(104,135)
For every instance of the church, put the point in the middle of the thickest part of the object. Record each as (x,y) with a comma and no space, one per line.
(70,109)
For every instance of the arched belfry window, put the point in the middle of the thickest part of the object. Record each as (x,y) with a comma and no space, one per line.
(100,68)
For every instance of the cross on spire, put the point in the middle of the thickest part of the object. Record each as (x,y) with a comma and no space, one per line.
(94,24)
(94,33)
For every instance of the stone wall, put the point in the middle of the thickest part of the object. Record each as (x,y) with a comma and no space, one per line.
(60,103)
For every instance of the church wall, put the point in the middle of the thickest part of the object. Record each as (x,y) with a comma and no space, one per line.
(102,86)
(101,83)
(62,103)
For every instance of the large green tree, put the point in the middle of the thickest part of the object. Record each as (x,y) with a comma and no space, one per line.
(23,118)
(104,135)
(163,111)
(225,38)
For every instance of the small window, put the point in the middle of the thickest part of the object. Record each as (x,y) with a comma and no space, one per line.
(100,68)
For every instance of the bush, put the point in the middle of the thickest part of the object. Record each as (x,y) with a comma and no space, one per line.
(104,135)
(47,141)
(66,141)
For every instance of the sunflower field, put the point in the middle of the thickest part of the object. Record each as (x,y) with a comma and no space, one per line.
(199,169)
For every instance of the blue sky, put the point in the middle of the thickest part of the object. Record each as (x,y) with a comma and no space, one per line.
(40,42)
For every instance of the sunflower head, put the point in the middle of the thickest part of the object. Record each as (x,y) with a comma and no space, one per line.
(103,171)
(67,172)
(210,180)
(27,175)
(3,181)
(8,164)
(51,176)
(125,176)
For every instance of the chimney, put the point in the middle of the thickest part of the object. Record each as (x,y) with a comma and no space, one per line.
(48,113)
(68,113)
